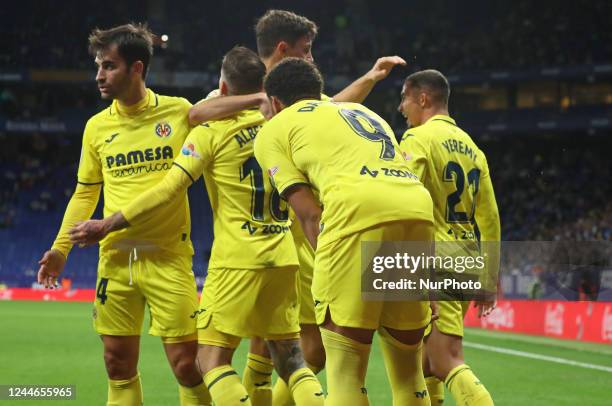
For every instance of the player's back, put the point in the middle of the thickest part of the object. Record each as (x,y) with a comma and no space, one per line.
(350,156)
(451,166)
(250,219)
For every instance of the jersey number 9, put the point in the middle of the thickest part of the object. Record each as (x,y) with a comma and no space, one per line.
(356,118)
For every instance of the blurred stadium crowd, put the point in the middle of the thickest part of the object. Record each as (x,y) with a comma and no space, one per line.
(550,184)
(453,36)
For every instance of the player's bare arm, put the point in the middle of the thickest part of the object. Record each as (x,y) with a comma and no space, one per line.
(222,106)
(358,90)
(307,210)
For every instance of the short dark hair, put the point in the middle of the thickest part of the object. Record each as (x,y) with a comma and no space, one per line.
(281,25)
(134,43)
(294,79)
(243,71)
(432,81)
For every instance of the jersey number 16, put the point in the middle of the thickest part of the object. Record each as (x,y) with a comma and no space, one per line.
(250,168)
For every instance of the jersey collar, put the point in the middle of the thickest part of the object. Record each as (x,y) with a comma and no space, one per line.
(442,117)
(149,101)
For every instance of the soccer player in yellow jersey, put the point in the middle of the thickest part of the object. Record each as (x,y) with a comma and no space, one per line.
(282,34)
(455,172)
(127,148)
(325,146)
(251,288)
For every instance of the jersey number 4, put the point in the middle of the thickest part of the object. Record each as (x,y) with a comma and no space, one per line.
(251,169)
(101,291)
(453,172)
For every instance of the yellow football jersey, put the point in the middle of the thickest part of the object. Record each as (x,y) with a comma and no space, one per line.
(131,153)
(456,173)
(249,217)
(350,156)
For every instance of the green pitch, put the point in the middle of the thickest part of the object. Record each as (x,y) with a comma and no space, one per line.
(53,343)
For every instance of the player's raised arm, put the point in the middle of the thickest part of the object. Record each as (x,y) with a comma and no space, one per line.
(360,89)
(215,108)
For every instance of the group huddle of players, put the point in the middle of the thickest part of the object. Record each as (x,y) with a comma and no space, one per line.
(291,202)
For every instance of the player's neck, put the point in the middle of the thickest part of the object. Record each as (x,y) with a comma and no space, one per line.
(271,61)
(269,64)
(434,112)
(134,96)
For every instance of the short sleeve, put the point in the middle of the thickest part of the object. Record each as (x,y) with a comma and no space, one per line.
(90,168)
(197,152)
(415,152)
(273,152)
(183,115)
(185,105)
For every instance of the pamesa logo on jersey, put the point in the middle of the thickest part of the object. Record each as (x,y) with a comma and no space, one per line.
(163,130)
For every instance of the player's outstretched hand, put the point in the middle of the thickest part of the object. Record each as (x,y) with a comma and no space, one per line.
(383,67)
(485,307)
(51,265)
(88,232)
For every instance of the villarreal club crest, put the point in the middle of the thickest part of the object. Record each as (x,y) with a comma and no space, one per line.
(163,130)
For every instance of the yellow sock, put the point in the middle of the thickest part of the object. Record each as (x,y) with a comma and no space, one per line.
(281,395)
(435,388)
(346,365)
(225,387)
(125,392)
(257,379)
(305,388)
(195,395)
(404,369)
(466,388)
